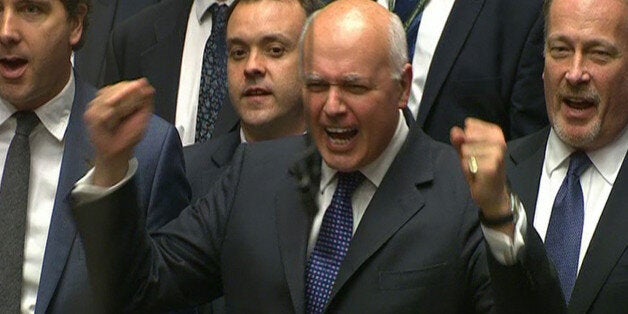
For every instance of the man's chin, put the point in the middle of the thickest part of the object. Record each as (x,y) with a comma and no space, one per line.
(580,137)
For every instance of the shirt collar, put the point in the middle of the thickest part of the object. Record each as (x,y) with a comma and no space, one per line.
(607,160)
(6,111)
(54,115)
(242,136)
(202,6)
(376,170)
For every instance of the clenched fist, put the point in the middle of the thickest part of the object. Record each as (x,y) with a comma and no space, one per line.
(117,120)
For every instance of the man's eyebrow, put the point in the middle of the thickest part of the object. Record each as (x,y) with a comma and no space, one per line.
(277,37)
(35,2)
(352,79)
(598,42)
(273,37)
(595,42)
(235,41)
(346,80)
(313,77)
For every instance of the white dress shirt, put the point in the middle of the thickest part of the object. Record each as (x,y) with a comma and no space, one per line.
(597,183)
(374,173)
(198,30)
(433,21)
(46,146)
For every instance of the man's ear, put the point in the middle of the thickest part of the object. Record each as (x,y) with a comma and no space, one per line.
(77,25)
(406,85)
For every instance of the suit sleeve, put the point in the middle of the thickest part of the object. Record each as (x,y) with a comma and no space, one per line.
(176,266)
(529,286)
(479,292)
(169,189)
(527,112)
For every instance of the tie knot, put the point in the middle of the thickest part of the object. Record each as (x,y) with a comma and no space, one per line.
(219,14)
(578,164)
(26,121)
(349,181)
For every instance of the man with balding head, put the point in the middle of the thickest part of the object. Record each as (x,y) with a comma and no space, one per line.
(340,225)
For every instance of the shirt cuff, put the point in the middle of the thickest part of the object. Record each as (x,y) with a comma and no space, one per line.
(505,249)
(84,191)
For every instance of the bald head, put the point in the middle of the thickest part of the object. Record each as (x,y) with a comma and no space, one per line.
(347,23)
(354,85)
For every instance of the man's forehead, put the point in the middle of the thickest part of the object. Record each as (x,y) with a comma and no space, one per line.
(265,17)
(243,7)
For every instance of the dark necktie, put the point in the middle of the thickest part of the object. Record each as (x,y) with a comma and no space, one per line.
(13,205)
(564,232)
(410,12)
(213,88)
(332,244)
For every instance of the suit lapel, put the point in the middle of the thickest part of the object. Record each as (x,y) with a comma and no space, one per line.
(606,247)
(162,62)
(524,169)
(460,22)
(225,152)
(221,157)
(75,163)
(227,119)
(387,212)
(295,208)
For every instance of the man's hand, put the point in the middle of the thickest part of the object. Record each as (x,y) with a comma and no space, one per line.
(117,120)
(485,142)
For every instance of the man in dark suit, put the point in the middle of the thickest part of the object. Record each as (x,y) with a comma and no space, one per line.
(280,114)
(104,15)
(411,239)
(557,258)
(157,43)
(277,111)
(36,80)
(480,59)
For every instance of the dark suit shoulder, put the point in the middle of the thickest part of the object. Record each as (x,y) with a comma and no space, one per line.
(204,162)
(158,127)
(201,153)
(440,153)
(139,30)
(283,150)
(143,21)
(160,141)
(522,148)
(269,159)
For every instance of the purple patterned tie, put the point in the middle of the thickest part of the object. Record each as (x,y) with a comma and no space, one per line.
(564,232)
(213,88)
(332,244)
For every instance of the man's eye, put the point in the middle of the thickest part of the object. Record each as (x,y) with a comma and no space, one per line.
(316,87)
(31,9)
(237,54)
(601,56)
(276,51)
(559,52)
(356,89)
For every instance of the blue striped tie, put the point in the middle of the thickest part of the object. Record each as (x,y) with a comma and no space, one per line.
(332,244)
